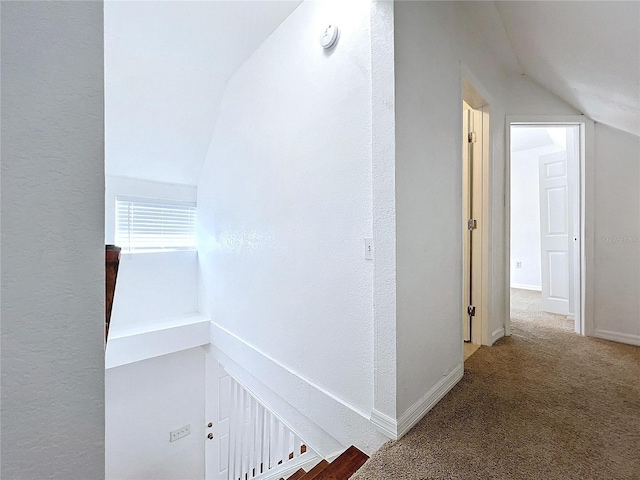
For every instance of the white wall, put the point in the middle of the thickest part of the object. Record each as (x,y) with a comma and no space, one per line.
(437,43)
(285,201)
(617,235)
(517,95)
(151,286)
(147,400)
(428,198)
(383,119)
(52,412)
(525,217)
(507,93)
(525,220)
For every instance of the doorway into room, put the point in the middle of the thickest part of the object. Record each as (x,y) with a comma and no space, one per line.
(475,220)
(545,224)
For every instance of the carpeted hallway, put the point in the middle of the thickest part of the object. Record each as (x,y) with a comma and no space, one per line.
(543,404)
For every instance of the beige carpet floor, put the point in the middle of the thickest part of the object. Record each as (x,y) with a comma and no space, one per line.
(543,404)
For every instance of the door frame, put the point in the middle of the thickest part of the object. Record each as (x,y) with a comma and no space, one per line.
(583,285)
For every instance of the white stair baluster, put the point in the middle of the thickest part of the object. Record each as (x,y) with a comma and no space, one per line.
(297,444)
(258,440)
(232,432)
(265,441)
(240,431)
(252,439)
(285,443)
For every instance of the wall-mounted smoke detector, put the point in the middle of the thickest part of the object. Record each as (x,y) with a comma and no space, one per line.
(329,37)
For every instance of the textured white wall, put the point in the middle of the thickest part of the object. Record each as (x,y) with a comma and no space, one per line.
(617,234)
(144,402)
(383,119)
(52,412)
(285,201)
(153,287)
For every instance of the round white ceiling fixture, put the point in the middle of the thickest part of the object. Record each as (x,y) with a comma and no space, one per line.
(329,37)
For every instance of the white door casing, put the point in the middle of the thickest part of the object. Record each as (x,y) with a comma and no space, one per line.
(554,232)
(466,280)
(580,146)
(218,410)
(473,201)
(573,168)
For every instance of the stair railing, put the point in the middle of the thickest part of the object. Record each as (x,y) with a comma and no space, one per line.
(258,440)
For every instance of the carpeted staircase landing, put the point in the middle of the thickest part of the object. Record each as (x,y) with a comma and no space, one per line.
(543,404)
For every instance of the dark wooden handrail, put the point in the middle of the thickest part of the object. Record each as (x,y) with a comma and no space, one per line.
(112,261)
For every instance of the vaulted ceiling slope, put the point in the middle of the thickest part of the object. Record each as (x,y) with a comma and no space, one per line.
(166,67)
(587,53)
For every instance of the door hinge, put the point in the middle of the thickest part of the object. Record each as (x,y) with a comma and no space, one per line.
(472,137)
(471,310)
(472,224)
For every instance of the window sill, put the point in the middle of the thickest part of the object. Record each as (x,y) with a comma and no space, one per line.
(170,336)
(160,250)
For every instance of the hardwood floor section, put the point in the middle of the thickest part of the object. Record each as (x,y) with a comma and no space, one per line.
(340,469)
(344,466)
(315,471)
(298,475)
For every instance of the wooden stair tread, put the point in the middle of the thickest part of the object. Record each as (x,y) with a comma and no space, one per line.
(315,471)
(344,466)
(298,475)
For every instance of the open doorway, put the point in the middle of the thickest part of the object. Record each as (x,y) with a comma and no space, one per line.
(475,220)
(545,223)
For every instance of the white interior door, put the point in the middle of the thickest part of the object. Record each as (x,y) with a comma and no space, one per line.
(218,410)
(554,232)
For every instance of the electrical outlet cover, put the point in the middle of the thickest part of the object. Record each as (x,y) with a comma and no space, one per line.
(180,433)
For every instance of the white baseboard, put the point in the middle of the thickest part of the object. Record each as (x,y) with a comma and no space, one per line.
(497,335)
(419,409)
(385,424)
(571,316)
(617,337)
(396,429)
(327,423)
(521,286)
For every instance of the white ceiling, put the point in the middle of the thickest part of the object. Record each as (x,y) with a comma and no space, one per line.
(166,68)
(587,53)
(167,64)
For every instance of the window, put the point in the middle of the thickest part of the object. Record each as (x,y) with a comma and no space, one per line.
(145,225)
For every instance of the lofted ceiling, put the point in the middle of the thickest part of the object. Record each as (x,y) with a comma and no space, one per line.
(167,64)
(587,53)
(166,67)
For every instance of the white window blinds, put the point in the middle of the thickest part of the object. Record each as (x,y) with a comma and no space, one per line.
(144,225)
